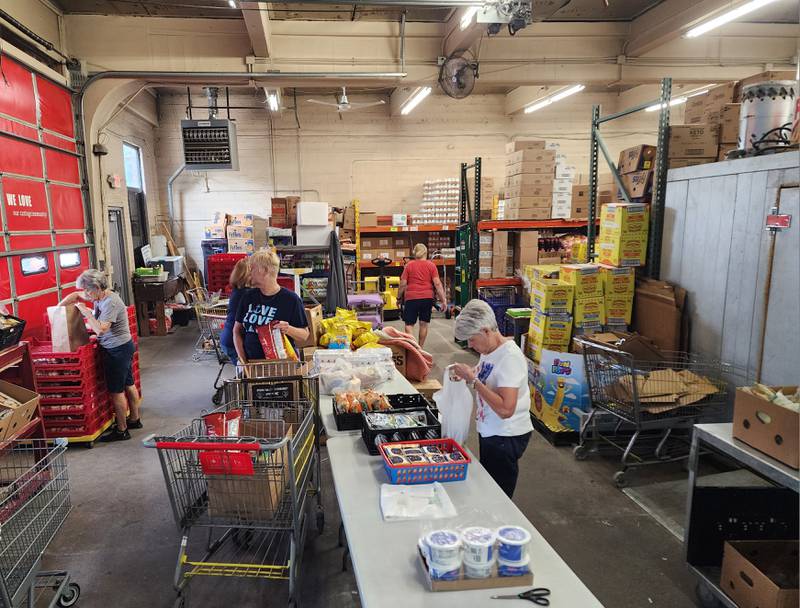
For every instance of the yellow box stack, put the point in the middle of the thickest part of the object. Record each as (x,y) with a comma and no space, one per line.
(588,310)
(623,234)
(618,289)
(552,301)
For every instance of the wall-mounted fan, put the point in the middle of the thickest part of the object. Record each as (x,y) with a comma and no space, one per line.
(457,77)
(345,105)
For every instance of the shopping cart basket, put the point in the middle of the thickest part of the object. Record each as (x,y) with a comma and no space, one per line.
(251,493)
(648,402)
(34,502)
(211,321)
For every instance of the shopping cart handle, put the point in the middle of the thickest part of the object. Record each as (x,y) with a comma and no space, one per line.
(149,441)
(208,446)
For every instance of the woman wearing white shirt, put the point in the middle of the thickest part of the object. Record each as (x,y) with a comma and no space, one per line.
(500,382)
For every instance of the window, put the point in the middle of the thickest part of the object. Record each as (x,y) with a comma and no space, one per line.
(133,167)
(69,259)
(34,264)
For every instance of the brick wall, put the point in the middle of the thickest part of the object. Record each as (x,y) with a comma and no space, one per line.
(369,155)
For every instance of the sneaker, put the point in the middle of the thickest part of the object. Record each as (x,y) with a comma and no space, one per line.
(115,435)
(134,424)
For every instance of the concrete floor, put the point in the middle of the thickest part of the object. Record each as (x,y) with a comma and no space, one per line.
(120,542)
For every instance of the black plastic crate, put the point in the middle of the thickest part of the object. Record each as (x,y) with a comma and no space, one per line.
(348,421)
(401,434)
(401,401)
(10,336)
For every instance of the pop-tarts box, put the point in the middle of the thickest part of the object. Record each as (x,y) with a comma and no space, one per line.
(559,390)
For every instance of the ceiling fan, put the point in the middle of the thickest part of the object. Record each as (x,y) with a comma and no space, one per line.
(344,105)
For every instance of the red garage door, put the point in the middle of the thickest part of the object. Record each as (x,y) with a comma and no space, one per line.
(44,246)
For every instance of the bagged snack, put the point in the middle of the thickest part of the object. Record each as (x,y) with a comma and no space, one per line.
(275,344)
(223,424)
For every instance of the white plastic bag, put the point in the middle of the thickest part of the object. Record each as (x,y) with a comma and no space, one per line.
(455,404)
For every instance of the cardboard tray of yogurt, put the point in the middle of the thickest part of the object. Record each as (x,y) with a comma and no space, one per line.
(468,584)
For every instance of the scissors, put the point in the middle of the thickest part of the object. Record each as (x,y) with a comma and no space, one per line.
(538,596)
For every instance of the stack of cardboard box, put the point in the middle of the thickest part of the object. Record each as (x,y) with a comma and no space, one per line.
(717,108)
(563,179)
(217,228)
(393,247)
(528,191)
(246,233)
(551,319)
(526,249)
(284,212)
(618,289)
(695,144)
(623,234)
(588,312)
(485,243)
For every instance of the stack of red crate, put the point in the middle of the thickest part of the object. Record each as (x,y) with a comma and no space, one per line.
(220,266)
(135,334)
(74,398)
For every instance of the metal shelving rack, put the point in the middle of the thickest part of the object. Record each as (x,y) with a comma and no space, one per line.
(653,266)
(467,234)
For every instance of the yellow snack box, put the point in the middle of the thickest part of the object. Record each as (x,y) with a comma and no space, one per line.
(544,271)
(554,328)
(552,296)
(618,281)
(619,309)
(628,251)
(585,277)
(624,218)
(589,311)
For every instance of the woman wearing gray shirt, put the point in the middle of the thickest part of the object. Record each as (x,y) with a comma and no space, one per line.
(109,320)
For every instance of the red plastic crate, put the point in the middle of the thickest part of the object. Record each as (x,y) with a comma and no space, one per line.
(83,409)
(99,396)
(78,429)
(44,358)
(54,376)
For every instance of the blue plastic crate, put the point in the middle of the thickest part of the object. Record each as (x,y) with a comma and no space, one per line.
(426,472)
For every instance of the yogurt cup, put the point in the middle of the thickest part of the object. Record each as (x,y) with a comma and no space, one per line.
(513,543)
(476,571)
(478,546)
(519,568)
(423,547)
(444,546)
(447,573)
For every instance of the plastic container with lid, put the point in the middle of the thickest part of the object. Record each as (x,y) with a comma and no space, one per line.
(478,546)
(519,568)
(478,571)
(513,543)
(444,546)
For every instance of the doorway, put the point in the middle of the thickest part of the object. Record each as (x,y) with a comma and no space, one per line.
(119,261)
(137,203)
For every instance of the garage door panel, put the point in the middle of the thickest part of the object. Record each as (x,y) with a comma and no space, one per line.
(59,142)
(34,311)
(76,238)
(5,282)
(33,272)
(67,206)
(71,263)
(20,157)
(62,167)
(17,128)
(25,203)
(16,91)
(55,104)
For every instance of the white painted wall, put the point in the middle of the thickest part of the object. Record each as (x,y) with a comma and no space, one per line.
(380,160)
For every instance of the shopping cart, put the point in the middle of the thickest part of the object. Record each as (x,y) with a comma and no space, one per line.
(652,402)
(252,493)
(34,502)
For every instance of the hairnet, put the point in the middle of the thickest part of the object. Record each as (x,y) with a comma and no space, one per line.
(474,317)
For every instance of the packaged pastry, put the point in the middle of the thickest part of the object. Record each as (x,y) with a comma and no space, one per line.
(431,449)
(455,457)
(397,460)
(438,458)
(416,458)
(394,451)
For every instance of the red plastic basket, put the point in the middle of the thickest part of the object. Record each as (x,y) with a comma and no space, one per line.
(426,472)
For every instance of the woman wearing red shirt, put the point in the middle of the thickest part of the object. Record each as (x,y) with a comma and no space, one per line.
(417,284)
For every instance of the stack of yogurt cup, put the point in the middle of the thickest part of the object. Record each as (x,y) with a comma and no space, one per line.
(476,548)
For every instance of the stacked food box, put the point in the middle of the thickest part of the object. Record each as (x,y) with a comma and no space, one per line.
(528,188)
(394,247)
(711,129)
(588,311)
(246,233)
(623,234)
(564,177)
(440,202)
(284,212)
(495,255)
(552,302)
(618,290)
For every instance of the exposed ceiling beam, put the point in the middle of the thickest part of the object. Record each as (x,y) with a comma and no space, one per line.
(670,20)
(256,20)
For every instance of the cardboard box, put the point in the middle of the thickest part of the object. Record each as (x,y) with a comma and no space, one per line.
(659,313)
(427,388)
(526,249)
(349,218)
(315,236)
(589,312)
(617,281)
(367,218)
(527,202)
(691,141)
(247,246)
(314,320)
(724,149)
(580,191)
(401,241)
(399,219)
(624,218)
(527,214)
(622,250)
(312,214)
(561,209)
(679,163)
(466,584)
(500,265)
(547,157)
(20,415)
(214,231)
(637,158)
(485,239)
(399,357)
(761,573)
(533,168)
(764,77)
(525,144)
(484,272)
(552,296)
(721,94)
(500,243)
(618,308)
(553,329)
(768,427)
(529,190)
(259,237)
(400,254)
(562,186)
(638,184)
(729,123)
(383,242)
(694,109)
(528,179)
(247,219)
(579,209)
(585,278)
(569,172)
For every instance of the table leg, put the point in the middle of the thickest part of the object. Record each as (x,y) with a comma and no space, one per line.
(161,320)
(141,319)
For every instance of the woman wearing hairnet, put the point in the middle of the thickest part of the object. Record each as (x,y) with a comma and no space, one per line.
(500,382)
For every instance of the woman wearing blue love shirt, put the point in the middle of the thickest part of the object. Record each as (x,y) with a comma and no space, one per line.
(240,280)
(267,302)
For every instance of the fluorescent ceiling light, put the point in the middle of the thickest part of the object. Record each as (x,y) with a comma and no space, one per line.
(414,100)
(272,102)
(232,3)
(731,15)
(543,103)
(468,16)
(675,101)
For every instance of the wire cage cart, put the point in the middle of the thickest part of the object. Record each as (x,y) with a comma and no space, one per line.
(211,313)
(251,493)
(648,401)
(34,502)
